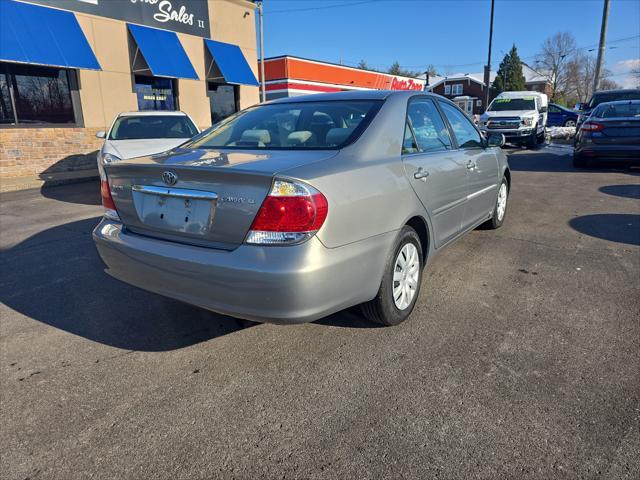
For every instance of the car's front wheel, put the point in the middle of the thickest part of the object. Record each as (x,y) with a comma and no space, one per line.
(400,285)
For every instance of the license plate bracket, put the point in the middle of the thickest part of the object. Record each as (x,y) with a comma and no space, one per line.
(175,210)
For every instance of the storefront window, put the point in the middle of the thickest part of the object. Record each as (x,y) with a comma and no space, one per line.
(35,95)
(155,93)
(223,99)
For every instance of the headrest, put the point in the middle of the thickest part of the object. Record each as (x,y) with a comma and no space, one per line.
(298,137)
(256,136)
(336,136)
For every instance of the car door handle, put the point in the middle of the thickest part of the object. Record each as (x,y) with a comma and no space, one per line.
(471,165)
(421,174)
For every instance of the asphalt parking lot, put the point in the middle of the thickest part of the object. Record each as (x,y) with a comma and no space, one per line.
(520,361)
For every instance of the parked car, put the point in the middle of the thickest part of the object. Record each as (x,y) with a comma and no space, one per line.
(520,116)
(611,132)
(559,116)
(295,209)
(602,97)
(135,134)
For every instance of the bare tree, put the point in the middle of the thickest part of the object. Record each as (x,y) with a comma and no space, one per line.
(553,61)
(580,72)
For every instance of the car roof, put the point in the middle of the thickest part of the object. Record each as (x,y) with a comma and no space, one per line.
(152,113)
(350,95)
(620,90)
(619,102)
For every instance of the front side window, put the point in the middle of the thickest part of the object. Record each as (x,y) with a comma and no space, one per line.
(35,95)
(292,126)
(553,109)
(152,126)
(426,128)
(466,133)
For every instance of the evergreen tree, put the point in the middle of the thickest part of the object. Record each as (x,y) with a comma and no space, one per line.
(395,69)
(509,77)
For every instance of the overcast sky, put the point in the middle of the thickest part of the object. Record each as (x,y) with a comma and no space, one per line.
(451,34)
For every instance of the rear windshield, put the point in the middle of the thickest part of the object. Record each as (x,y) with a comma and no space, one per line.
(166,126)
(599,98)
(292,126)
(624,110)
(503,104)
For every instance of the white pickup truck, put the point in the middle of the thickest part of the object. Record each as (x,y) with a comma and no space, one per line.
(520,116)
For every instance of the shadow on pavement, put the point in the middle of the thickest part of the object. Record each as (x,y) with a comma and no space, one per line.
(627,191)
(615,227)
(84,193)
(559,158)
(56,277)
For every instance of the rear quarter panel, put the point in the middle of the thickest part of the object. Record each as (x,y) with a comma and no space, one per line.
(365,184)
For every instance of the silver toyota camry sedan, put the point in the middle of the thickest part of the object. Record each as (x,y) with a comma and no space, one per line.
(295,209)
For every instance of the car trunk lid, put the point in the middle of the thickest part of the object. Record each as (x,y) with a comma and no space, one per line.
(201,197)
(617,131)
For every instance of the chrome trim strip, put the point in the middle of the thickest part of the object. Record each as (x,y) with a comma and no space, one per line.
(480,192)
(175,192)
(449,206)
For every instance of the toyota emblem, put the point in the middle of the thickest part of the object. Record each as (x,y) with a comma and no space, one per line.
(169,178)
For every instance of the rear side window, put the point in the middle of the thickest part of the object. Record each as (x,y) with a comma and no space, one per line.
(466,134)
(425,131)
(599,98)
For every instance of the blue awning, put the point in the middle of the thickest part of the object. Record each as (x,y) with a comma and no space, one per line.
(162,52)
(43,36)
(231,63)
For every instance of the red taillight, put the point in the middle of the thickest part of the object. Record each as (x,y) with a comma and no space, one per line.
(105,193)
(107,201)
(290,213)
(591,127)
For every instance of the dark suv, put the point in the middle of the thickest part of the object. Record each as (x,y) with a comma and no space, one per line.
(602,97)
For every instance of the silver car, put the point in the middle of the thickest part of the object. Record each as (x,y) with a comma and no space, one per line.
(292,210)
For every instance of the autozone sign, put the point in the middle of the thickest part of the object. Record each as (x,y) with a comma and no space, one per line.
(406,84)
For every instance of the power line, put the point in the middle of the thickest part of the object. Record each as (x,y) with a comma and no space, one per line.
(529,57)
(325,7)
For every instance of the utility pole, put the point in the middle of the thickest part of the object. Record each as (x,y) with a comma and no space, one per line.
(487,68)
(262,79)
(601,48)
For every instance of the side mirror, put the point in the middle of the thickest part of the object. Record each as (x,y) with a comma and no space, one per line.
(580,106)
(101,134)
(496,140)
(543,109)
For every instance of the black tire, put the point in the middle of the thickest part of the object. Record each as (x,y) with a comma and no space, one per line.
(540,138)
(579,161)
(495,222)
(382,309)
(532,141)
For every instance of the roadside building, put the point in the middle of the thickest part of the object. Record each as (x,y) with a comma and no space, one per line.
(68,67)
(288,76)
(467,90)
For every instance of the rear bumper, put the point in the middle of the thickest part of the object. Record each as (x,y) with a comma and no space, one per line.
(292,284)
(609,152)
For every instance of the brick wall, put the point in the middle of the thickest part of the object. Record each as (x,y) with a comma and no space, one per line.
(28,152)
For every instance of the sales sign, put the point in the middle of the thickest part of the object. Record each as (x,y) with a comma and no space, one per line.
(184,16)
